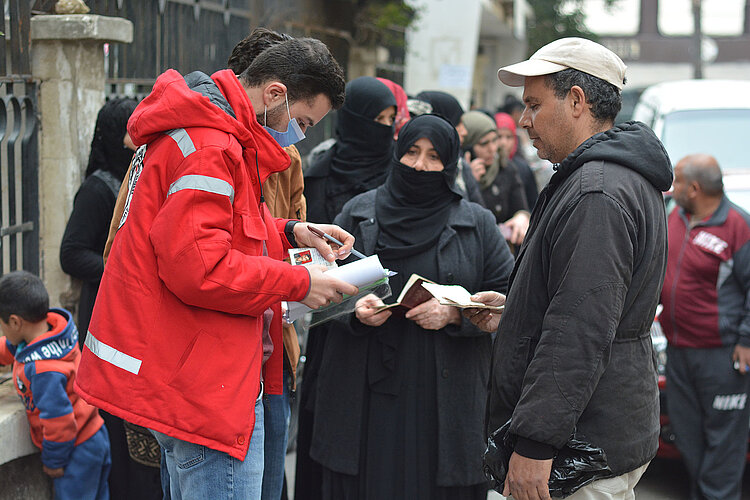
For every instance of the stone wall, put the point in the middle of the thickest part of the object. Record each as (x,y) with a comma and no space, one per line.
(68,60)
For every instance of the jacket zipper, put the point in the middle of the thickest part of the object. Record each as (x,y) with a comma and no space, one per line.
(676,280)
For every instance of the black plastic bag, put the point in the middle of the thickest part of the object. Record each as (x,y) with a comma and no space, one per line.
(574,466)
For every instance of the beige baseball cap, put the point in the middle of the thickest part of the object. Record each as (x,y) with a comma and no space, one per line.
(577,53)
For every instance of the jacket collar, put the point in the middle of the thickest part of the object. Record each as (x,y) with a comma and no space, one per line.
(55,344)
(718,218)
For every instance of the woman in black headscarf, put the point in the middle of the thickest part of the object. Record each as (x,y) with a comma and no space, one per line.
(401,398)
(358,161)
(86,233)
(447,106)
(81,257)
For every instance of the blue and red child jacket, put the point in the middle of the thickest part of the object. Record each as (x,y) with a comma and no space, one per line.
(43,373)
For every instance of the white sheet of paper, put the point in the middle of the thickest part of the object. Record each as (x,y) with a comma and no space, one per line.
(454,293)
(358,273)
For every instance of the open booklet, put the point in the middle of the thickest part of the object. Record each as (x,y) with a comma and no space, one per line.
(418,290)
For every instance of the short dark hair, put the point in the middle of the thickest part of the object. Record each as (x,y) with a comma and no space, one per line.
(304,65)
(23,294)
(245,52)
(605,98)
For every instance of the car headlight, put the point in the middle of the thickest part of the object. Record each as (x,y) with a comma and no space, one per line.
(659,341)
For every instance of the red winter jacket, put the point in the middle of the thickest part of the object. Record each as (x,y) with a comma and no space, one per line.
(174,342)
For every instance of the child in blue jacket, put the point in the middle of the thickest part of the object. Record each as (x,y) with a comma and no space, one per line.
(42,344)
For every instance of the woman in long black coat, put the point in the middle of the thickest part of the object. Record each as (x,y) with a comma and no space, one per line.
(401,399)
(81,257)
(357,162)
(86,233)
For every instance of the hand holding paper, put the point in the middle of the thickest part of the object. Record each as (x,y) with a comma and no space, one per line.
(485,319)
(457,296)
(361,273)
(326,288)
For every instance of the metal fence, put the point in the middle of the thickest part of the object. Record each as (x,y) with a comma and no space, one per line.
(190,35)
(19,155)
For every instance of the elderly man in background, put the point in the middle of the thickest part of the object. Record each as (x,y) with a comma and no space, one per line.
(706,319)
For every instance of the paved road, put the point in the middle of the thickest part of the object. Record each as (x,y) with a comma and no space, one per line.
(667,480)
(664,480)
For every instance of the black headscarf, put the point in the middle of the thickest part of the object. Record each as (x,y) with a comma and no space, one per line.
(412,207)
(107,150)
(443,104)
(363,146)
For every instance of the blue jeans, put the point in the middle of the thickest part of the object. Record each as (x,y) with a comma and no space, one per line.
(86,474)
(277,415)
(197,472)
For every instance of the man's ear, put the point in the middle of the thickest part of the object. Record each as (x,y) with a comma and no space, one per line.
(696,187)
(577,101)
(273,92)
(15,322)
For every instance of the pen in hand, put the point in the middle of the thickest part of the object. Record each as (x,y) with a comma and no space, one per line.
(318,232)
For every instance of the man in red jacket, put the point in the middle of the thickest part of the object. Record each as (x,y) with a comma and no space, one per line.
(189,304)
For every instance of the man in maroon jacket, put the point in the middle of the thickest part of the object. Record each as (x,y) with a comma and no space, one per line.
(706,318)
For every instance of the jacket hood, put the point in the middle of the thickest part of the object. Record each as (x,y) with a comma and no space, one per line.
(632,145)
(197,100)
(56,344)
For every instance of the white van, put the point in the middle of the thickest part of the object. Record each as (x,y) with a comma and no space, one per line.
(704,116)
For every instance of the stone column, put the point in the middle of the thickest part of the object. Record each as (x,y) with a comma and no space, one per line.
(67,58)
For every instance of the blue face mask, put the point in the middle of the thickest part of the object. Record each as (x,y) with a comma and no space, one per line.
(293,133)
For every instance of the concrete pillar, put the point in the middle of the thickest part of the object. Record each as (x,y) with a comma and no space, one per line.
(67,58)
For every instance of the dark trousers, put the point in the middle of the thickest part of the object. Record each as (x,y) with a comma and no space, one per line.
(708,410)
(128,479)
(276,425)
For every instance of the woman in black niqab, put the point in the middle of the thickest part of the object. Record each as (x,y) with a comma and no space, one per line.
(86,232)
(81,257)
(401,395)
(412,206)
(108,151)
(359,159)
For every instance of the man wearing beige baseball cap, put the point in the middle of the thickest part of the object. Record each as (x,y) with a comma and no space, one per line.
(573,356)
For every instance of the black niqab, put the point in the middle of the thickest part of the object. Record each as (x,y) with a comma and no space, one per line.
(412,207)
(363,146)
(108,152)
(443,104)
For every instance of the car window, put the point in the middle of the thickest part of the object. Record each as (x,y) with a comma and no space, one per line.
(740,198)
(722,133)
